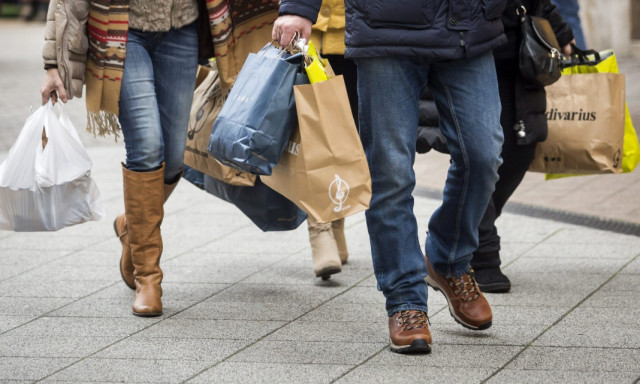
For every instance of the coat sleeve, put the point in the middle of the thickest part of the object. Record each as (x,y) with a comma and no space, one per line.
(560,27)
(49,52)
(304,8)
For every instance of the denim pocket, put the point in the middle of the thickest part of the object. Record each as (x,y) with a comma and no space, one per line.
(407,14)
(493,9)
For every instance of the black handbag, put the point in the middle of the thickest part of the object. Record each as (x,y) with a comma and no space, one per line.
(539,57)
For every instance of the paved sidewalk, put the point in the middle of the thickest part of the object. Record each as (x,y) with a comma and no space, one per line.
(243,306)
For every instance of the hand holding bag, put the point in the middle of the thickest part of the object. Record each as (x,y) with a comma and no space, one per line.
(539,56)
(45,182)
(259,114)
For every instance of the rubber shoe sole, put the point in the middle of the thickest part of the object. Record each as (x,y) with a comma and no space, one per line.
(326,273)
(417,346)
(451,312)
(495,287)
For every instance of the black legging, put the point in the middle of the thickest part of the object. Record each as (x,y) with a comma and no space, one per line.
(516,160)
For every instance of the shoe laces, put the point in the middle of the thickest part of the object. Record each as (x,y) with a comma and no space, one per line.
(413,319)
(465,286)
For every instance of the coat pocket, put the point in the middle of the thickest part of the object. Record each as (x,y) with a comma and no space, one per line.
(493,9)
(407,14)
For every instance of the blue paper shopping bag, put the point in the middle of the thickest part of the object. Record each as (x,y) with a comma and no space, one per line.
(259,115)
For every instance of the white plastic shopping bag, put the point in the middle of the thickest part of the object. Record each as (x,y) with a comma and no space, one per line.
(47,187)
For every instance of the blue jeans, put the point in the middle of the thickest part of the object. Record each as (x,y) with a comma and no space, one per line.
(569,9)
(466,95)
(155,98)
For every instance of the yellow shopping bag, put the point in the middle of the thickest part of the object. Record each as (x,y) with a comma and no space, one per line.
(607,63)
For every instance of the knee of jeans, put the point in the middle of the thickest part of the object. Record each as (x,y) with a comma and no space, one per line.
(146,159)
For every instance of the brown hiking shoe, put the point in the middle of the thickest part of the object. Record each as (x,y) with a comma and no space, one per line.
(467,304)
(409,332)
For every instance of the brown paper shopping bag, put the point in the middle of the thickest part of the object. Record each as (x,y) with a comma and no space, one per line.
(586,116)
(207,103)
(324,169)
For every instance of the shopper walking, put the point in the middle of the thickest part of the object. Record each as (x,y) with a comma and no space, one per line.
(140,62)
(401,48)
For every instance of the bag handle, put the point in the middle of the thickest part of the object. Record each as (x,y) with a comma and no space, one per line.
(581,57)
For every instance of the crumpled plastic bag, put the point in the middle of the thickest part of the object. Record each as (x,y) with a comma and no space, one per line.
(45,182)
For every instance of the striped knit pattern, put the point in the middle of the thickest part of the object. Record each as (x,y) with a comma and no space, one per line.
(107,28)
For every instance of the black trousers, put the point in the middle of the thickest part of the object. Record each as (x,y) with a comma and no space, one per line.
(516,160)
(348,69)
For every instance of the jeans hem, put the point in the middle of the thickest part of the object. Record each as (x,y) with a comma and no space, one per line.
(404,307)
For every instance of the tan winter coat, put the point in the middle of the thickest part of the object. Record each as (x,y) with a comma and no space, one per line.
(66,43)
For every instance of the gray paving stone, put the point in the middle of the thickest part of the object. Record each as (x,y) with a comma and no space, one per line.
(212,329)
(307,352)
(61,273)
(361,294)
(83,327)
(334,311)
(584,316)
(513,315)
(452,356)
(94,256)
(26,257)
(130,370)
(623,283)
(30,307)
(507,335)
(8,323)
(39,242)
(113,308)
(9,271)
(422,373)
(535,376)
(573,267)
(12,345)
(30,368)
(359,331)
(198,259)
(208,274)
(594,335)
(579,359)
(582,235)
(284,294)
(612,299)
(220,310)
(25,287)
(269,242)
(182,291)
(242,373)
(172,348)
(282,274)
(633,268)
(583,249)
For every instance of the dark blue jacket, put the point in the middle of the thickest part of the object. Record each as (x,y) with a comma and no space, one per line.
(434,29)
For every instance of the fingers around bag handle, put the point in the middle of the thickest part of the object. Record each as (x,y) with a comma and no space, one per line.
(581,57)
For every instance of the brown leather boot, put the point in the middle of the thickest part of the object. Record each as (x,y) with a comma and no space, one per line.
(324,250)
(337,227)
(467,304)
(120,226)
(409,332)
(143,201)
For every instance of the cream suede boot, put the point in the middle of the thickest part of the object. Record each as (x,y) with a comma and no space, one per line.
(324,250)
(337,227)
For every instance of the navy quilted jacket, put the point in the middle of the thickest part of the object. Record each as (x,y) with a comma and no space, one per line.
(434,29)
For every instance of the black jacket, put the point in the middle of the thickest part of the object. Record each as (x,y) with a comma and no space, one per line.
(434,29)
